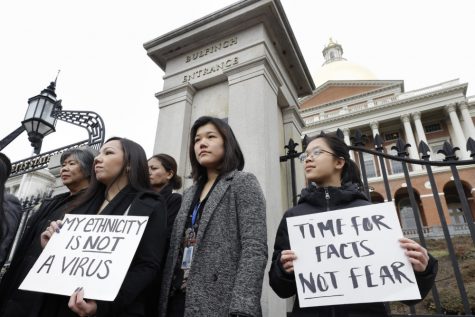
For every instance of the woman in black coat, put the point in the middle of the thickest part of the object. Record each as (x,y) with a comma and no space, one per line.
(335,183)
(164,179)
(119,186)
(75,173)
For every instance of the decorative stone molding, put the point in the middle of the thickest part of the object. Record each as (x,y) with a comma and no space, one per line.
(405,118)
(374,125)
(416,115)
(450,108)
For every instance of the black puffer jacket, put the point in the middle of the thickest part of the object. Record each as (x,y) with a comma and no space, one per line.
(314,200)
(11,221)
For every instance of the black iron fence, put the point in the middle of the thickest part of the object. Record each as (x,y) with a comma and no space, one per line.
(446,231)
(29,206)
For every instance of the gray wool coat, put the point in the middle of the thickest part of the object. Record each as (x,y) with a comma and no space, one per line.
(230,257)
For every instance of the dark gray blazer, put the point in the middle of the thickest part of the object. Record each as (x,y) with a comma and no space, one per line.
(230,257)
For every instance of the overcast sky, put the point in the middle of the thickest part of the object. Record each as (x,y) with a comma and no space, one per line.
(98,45)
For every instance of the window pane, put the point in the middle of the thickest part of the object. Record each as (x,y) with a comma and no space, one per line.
(369,165)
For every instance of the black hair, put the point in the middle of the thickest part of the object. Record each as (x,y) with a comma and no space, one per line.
(169,164)
(350,172)
(84,157)
(135,165)
(233,157)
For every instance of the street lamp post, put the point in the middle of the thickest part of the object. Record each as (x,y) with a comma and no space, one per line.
(39,121)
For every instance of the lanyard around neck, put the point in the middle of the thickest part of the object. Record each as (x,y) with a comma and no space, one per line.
(194,215)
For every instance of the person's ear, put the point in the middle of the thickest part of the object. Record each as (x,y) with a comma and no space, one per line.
(340,163)
(170,175)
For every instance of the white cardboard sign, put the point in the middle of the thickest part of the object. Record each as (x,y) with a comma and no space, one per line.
(90,251)
(351,256)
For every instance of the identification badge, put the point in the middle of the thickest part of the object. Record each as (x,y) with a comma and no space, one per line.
(187,257)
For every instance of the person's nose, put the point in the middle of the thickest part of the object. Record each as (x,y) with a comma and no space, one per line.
(203,144)
(98,158)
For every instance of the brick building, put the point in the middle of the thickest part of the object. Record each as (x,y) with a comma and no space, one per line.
(349,97)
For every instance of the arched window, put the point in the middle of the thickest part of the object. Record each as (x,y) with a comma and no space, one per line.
(405,210)
(454,204)
(408,221)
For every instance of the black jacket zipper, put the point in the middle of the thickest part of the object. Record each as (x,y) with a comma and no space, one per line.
(327,198)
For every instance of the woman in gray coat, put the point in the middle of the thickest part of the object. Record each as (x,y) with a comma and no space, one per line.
(218,247)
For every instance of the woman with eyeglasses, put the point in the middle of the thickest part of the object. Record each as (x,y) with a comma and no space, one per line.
(335,183)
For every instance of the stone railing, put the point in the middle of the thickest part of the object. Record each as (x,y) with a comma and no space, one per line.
(436,232)
(376,103)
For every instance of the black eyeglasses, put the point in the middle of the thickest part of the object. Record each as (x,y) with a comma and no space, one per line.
(314,153)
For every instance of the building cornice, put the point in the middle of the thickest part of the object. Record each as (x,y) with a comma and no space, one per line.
(232,19)
(394,103)
(389,84)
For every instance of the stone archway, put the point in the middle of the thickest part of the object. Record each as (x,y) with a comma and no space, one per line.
(454,204)
(376,198)
(405,209)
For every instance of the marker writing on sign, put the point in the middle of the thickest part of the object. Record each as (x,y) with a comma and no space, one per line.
(321,283)
(104,224)
(80,266)
(358,249)
(94,244)
(391,273)
(334,227)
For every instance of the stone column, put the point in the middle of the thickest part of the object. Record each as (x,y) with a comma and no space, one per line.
(346,133)
(467,120)
(375,130)
(411,140)
(459,138)
(253,89)
(174,124)
(421,135)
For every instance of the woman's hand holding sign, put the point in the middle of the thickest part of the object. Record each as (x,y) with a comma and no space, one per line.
(53,227)
(416,253)
(80,306)
(287,258)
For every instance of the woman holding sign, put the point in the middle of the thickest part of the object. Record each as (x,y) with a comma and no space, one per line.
(335,183)
(120,185)
(75,174)
(218,247)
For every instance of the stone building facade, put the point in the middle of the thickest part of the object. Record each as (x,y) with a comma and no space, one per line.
(434,114)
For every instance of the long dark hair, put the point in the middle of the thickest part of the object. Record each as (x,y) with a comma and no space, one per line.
(5,169)
(233,157)
(350,172)
(169,164)
(135,165)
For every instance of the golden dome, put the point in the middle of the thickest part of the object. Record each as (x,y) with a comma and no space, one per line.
(336,67)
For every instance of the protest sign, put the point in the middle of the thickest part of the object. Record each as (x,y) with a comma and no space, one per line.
(351,256)
(90,251)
